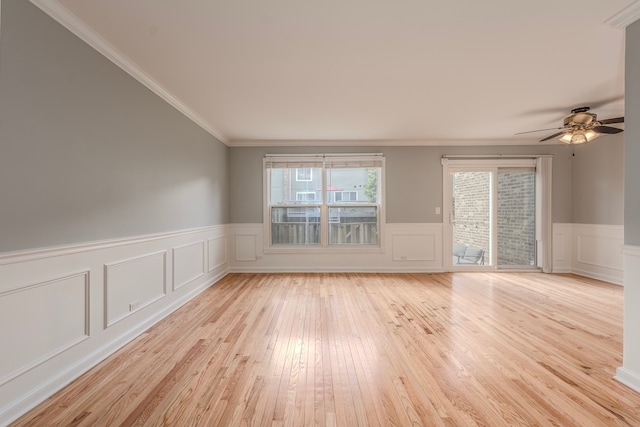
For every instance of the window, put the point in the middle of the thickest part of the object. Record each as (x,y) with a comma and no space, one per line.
(338,203)
(305,196)
(347,196)
(304,174)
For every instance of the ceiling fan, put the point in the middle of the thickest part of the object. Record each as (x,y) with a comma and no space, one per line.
(582,126)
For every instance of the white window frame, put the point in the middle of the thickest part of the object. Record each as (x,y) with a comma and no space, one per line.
(324,162)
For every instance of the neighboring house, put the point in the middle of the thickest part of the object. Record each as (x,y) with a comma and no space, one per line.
(305,185)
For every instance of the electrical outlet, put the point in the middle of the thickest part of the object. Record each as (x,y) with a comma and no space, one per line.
(134,306)
(438,210)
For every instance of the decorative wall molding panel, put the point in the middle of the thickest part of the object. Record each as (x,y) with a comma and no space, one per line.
(246,246)
(562,245)
(64,309)
(589,250)
(413,247)
(406,248)
(132,284)
(188,263)
(216,253)
(54,310)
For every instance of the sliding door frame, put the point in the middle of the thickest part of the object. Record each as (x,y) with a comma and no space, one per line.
(542,166)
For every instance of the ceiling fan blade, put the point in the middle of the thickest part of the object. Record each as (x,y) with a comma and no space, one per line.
(551,136)
(601,103)
(611,121)
(608,130)
(539,130)
(594,105)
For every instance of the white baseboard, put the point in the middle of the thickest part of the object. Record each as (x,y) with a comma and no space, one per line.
(336,270)
(628,378)
(614,278)
(32,375)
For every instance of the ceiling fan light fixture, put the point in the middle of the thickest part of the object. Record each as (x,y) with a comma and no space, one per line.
(579,136)
(591,134)
(582,126)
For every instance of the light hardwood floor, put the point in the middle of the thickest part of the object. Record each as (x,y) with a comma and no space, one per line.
(460,349)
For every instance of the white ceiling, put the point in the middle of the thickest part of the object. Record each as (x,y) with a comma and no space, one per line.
(385,71)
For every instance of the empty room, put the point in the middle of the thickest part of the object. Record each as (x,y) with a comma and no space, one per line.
(340,213)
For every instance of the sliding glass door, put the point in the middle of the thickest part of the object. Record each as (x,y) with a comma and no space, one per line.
(491,216)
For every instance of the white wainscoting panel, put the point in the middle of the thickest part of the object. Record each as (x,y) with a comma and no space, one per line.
(217,253)
(48,318)
(629,372)
(133,284)
(64,309)
(405,247)
(591,250)
(188,263)
(588,250)
(413,247)
(246,246)
(597,252)
(562,244)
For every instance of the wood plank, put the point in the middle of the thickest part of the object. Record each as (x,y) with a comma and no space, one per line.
(334,349)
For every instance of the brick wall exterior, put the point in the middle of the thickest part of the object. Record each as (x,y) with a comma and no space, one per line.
(516,218)
(471,209)
(516,214)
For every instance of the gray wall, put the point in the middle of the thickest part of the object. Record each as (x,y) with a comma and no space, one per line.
(631,346)
(413,178)
(598,181)
(88,153)
(632,137)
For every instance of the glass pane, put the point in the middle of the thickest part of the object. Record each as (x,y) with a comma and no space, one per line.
(516,218)
(471,217)
(295,226)
(353,185)
(353,225)
(295,186)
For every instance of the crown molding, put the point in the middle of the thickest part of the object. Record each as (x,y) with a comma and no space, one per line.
(72,23)
(626,16)
(381,142)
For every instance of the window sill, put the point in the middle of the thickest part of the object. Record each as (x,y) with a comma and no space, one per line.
(318,250)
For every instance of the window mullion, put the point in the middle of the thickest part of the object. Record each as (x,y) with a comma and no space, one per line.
(324,212)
